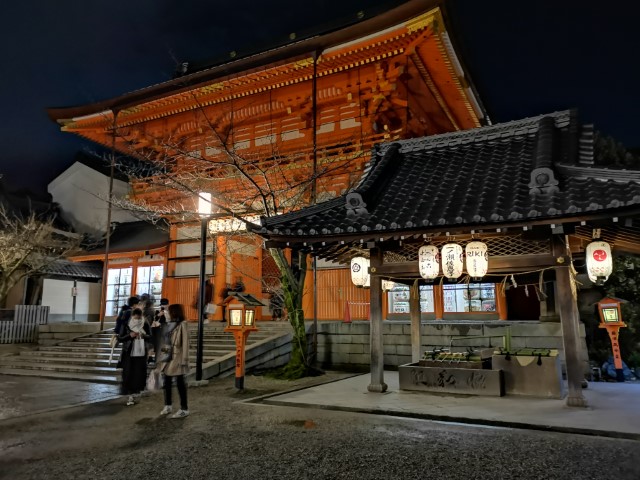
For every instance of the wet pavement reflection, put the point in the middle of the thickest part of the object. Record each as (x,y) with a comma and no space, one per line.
(22,395)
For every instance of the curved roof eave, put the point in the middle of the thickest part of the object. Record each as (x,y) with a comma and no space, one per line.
(286,53)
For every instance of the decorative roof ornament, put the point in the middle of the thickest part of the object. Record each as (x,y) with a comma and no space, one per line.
(543,181)
(355,205)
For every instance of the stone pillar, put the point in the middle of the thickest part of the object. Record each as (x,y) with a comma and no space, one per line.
(414,309)
(569,320)
(375,329)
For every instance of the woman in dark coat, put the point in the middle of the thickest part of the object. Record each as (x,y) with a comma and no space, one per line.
(134,337)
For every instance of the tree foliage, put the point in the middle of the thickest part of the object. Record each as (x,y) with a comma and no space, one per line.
(623,283)
(28,245)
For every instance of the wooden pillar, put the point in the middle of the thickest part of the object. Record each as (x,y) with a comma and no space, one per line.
(220,274)
(414,310)
(501,301)
(438,301)
(375,326)
(568,310)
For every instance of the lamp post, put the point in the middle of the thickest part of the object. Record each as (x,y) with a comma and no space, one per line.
(204,210)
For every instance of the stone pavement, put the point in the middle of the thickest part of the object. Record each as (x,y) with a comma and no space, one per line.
(20,395)
(614,408)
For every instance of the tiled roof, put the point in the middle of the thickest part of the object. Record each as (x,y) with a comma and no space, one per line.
(136,236)
(538,168)
(65,268)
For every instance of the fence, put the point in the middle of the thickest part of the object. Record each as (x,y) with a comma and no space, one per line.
(23,327)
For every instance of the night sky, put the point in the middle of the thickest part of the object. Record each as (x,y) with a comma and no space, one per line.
(526,57)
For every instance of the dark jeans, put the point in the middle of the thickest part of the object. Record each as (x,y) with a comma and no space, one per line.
(182,390)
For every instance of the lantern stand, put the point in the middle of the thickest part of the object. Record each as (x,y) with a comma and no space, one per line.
(611,319)
(241,317)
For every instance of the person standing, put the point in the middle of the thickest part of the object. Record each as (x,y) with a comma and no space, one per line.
(134,336)
(175,358)
(125,314)
(159,321)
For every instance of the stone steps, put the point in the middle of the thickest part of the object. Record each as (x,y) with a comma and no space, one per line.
(112,379)
(87,358)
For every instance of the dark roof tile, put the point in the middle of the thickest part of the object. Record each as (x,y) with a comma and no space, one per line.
(519,170)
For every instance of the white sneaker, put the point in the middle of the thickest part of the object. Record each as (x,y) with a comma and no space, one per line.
(130,401)
(180,414)
(166,410)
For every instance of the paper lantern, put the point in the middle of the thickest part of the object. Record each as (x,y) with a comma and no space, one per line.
(477,256)
(429,262)
(599,261)
(452,260)
(387,285)
(360,271)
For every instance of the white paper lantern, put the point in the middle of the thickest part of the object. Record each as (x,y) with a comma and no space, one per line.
(429,262)
(360,271)
(599,261)
(452,260)
(388,285)
(477,256)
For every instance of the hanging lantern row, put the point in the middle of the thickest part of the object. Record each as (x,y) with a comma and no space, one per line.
(451,256)
(599,261)
(429,258)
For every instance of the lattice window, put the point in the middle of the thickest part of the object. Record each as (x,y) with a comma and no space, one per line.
(504,245)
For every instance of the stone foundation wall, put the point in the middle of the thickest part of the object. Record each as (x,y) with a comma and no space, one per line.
(55,333)
(346,345)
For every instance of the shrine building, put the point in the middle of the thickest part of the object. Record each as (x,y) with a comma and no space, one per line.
(302,120)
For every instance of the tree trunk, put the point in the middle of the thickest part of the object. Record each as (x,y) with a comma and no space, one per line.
(293,288)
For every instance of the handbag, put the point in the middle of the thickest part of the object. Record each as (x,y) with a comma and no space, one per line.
(153,381)
(166,353)
(138,349)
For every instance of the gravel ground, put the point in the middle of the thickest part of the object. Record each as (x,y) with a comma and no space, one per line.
(225,438)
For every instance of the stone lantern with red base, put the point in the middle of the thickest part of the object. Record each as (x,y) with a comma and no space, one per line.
(241,317)
(611,319)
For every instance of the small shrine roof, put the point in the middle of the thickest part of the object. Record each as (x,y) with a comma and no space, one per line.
(245,298)
(537,170)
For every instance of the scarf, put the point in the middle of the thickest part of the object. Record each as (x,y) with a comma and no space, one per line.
(136,325)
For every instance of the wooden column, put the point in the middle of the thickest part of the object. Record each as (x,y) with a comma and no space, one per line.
(375,328)
(438,301)
(220,276)
(414,309)
(501,302)
(568,310)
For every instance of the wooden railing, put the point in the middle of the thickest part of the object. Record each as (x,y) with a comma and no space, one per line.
(23,327)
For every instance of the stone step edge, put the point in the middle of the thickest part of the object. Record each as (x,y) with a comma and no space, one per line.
(111,379)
